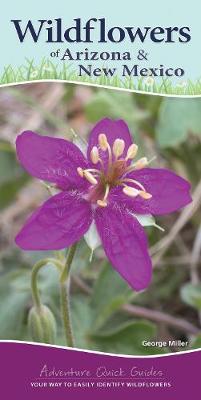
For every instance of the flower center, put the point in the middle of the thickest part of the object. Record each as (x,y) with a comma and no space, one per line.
(114,174)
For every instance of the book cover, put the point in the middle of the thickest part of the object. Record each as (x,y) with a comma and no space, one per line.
(100,194)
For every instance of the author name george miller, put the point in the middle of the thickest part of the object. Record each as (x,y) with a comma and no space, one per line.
(164,343)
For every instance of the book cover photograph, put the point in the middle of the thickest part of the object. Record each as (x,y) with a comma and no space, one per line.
(100,201)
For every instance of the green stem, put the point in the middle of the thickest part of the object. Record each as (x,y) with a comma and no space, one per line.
(69,260)
(65,294)
(64,270)
(34,286)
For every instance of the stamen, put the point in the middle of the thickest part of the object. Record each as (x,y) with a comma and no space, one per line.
(130,191)
(103,202)
(84,172)
(109,155)
(94,155)
(90,177)
(118,147)
(145,195)
(94,170)
(141,163)
(135,183)
(102,140)
(104,145)
(132,151)
(80,172)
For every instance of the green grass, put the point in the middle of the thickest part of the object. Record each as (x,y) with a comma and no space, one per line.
(47,70)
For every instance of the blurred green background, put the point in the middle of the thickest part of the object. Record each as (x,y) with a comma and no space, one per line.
(107,315)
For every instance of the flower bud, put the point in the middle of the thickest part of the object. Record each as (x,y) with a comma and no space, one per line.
(42,325)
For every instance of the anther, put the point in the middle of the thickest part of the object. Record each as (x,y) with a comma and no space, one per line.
(90,177)
(94,155)
(104,145)
(118,147)
(134,182)
(130,191)
(80,172)
(141,163)
(145,195)
(132,151)
(102,140)
(102,203)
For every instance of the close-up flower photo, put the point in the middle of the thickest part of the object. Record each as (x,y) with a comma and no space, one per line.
(101,188)
(99,211)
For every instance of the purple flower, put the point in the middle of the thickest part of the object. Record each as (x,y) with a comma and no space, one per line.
(106,187)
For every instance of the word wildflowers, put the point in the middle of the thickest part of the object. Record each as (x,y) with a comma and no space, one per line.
(108,187)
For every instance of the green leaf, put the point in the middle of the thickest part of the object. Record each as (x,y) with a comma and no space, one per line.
(9,169)
(191,295)
(14,300)
(10,189)
(6,146)
(12,177)
(178,118)
(122,337)
(196,343)
(110,292)
(127,339)
(82,321)
(113,104)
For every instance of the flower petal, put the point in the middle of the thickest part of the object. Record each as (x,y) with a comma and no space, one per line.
(125,245)
(113,129)
(59,222)
(51,159)
(135,204)
(169,191)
